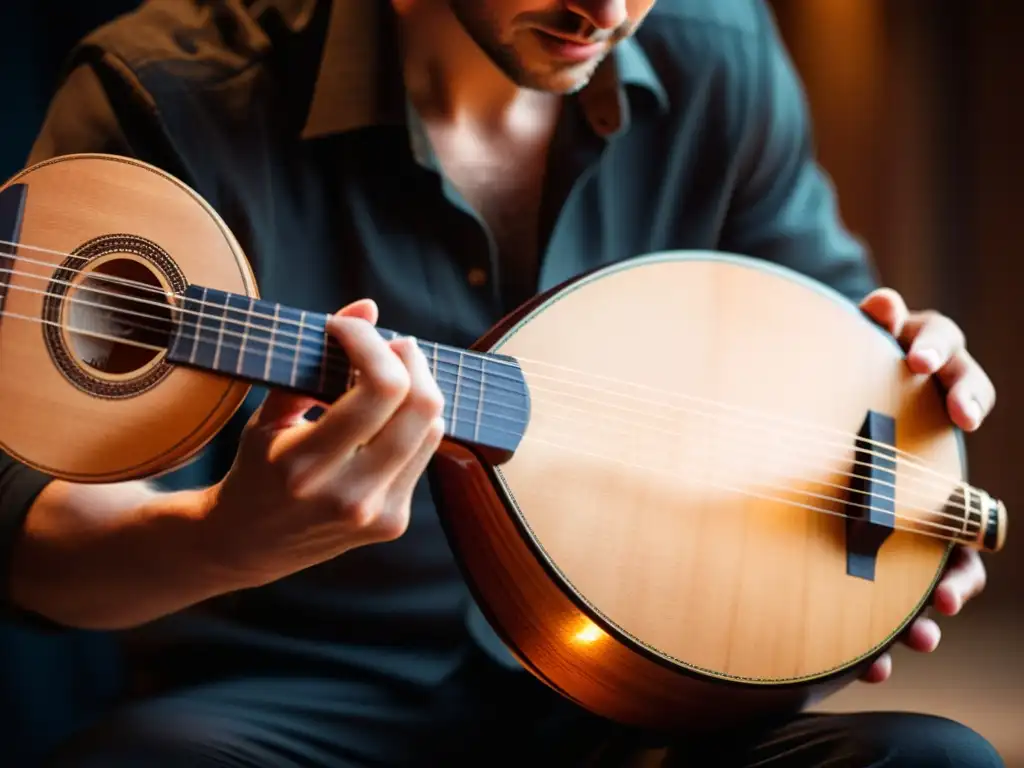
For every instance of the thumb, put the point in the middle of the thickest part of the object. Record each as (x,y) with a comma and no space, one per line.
(282,409)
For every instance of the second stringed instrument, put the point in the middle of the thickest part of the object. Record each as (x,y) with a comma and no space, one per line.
(689,488)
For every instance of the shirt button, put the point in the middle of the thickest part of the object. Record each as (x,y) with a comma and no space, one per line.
(477,277)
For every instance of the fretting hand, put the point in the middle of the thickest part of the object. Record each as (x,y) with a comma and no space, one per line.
(301,492)
(935,345)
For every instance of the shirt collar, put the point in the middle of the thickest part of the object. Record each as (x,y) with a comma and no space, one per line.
(357,85)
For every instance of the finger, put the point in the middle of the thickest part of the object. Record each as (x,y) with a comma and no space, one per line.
(931,341)
(399,497)
(922,636)
(313,454)
(887,308)
(389,520)
(970,395)
(964,579)
(879,671)
(370,472)
(364,309)
(282,409)
(396,444)
(405,481)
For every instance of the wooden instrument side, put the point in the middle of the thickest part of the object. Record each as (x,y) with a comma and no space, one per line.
(555,638)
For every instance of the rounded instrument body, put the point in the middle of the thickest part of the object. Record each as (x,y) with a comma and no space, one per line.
(104,244)
(668,545)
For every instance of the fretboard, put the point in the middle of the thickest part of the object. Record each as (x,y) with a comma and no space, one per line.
(486,397)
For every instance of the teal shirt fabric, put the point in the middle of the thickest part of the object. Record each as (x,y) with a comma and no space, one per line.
(701,141)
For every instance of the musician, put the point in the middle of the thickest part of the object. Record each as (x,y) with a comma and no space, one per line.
(432,164)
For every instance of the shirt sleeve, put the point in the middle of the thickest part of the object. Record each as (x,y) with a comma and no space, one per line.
(88,113)
(19,488)
(784,208)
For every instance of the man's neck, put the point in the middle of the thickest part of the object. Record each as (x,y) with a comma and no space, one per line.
(451,80)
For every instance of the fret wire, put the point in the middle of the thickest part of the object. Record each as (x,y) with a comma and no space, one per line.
(480,399)
(455,400)
(323,357)
(270,343)
(195,337)
(240,366)
(220,334)
(244,312)
(298,347)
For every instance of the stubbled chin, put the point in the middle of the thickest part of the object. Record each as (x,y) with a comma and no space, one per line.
(565,81)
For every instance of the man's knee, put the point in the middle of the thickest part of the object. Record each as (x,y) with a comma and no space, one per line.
(920,741)
(860,740)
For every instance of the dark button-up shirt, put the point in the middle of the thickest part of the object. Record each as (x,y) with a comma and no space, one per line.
(291,119)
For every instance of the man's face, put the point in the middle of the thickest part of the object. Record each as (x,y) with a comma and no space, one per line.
(549,45)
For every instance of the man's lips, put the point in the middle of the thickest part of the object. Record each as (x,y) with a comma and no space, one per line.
(566,47)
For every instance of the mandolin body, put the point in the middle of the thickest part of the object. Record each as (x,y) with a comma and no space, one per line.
(624,555)
(90,412)
(669,544)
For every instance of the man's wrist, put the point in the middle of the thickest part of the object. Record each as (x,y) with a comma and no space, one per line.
(113,557)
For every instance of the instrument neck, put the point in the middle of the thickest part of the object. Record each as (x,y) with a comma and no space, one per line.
(486,399)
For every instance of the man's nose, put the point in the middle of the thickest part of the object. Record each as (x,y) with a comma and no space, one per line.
(603,14)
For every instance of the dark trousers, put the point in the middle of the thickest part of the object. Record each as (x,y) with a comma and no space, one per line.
(483,715)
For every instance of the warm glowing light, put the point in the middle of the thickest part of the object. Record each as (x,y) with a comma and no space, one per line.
(590,633)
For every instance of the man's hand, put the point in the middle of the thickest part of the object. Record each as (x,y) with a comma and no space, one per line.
(936,346)
(301,492)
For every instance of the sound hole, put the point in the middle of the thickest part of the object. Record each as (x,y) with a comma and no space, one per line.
(118,317)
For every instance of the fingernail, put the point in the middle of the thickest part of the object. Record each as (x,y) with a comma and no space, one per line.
(930,358)
(973,411)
